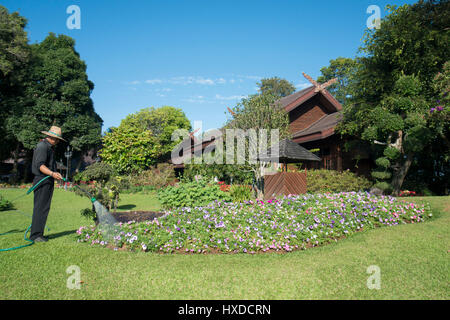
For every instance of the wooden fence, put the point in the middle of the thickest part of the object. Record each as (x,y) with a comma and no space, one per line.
(284,183)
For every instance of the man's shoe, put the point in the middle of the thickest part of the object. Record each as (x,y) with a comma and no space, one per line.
(41,239)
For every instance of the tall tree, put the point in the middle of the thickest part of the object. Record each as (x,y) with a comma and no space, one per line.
(253,113)
(394,84)
(143,138)
(14,57)
(56,91)
(344,69)
(276,86)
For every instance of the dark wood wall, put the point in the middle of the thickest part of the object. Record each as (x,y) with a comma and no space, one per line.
(305,115)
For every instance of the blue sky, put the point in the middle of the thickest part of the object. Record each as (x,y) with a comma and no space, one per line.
(200,56)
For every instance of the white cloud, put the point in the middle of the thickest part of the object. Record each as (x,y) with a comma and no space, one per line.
(204,81)
(302,85)
(153,81)
(219,97)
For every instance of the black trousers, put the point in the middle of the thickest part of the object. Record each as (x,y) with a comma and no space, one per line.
(42,199)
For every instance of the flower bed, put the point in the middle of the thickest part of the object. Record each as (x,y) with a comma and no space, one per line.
(286,224)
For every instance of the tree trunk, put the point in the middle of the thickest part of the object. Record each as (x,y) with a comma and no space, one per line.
(400,173)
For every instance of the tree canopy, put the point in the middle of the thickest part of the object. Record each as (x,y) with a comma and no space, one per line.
(394,89)
(41,85)
(143,138)
(276,86)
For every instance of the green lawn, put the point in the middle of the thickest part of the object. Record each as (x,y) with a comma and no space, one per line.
(413,259)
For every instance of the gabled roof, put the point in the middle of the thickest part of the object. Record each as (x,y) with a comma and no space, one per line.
(296,99)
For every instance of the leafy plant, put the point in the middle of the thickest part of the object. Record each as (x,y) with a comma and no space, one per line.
(5,204)
(191,194)
(105,184)
(89,214)
(241,193)
(158,177)
(335,181)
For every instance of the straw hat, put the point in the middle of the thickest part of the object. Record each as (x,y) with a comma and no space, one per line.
(54,132)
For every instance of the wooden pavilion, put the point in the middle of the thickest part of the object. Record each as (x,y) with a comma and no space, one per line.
(284,182)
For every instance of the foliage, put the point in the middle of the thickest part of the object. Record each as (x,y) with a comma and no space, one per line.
(14,50)
(224,172)
(191,194)
(335,181)
(276,86)
(241,193)
(254,113)
(89,214)
(14,57)
(5,204)
(106,184)
(395,85)
(157,177)
(56,92)
(143,139)
(286,224)
(344,69)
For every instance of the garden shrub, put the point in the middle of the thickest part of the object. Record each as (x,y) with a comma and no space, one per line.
(229,173)
(191,194)
(158,177)
(102,181)
(335,181)
(5,204)
(241,193)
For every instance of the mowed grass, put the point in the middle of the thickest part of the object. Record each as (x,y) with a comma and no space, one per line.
(413,260)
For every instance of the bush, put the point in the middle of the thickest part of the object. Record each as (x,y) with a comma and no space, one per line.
(384,186)
(229,173)
(5,204)
(102,182)
(335,181)
(159,177)
(191,194)
(241,193)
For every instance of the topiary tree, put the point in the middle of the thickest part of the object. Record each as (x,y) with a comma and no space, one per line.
(105,184)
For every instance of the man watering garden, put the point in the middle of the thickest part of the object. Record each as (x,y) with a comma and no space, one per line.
(44,165)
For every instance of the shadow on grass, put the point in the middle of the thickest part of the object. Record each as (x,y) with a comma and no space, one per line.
(12,231)
(126,207)
(61,234)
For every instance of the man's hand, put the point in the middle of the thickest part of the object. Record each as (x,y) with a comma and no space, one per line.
(57,176)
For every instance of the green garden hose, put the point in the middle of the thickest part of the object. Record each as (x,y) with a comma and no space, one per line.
(29,227)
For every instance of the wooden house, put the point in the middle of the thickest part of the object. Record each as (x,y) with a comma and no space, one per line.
(313,116)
